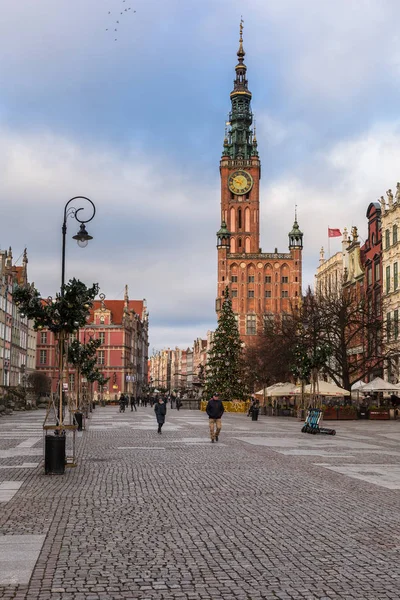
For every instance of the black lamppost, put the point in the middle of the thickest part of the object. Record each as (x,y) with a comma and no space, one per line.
(82,238)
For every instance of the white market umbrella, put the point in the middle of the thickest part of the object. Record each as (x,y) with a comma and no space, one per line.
(357,386)
(324,388)
(379,385)
(281,389)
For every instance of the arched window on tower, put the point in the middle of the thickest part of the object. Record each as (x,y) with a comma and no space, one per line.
(239,218)
(247,247)
(233,220)
(247,219)
(233,245)
(240,245)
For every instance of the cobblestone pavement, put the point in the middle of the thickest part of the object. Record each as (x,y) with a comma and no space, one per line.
(267,512)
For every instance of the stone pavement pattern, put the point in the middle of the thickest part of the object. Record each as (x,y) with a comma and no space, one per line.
(268,512)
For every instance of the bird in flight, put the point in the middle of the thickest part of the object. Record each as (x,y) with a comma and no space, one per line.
(121,13)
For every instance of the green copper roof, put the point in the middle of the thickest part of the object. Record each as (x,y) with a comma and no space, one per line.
(240,136)
(223,231)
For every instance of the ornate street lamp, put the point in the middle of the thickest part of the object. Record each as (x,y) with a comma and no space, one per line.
(82,237)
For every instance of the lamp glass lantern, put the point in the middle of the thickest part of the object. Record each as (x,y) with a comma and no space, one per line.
(82,237)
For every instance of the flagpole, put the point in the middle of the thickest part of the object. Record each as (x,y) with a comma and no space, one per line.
(329,245)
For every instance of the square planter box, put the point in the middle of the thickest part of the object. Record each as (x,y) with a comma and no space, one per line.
(347,415)
(379,414)
(330,414)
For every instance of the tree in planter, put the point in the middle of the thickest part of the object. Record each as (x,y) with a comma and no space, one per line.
(224,370)
(96,375)
(83,358)
(62,315)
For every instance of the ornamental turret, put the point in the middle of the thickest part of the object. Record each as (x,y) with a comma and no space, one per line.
(223,237)
(295,236)
(239,142)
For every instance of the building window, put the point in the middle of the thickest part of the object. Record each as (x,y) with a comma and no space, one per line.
(396,324)
(395,276)
(234,278)
(388,327)
(394,234)
(387,238)
(369,275)
(268,279)
(250,279)
(377,271)
(102,319)
(43,337)
(240,218)
(234,293)
(71,382)
(100,357)
(285,294)
(251,294)
(268,293)
(377,303)
(43,357)
(251,328)
(388,279)
(285,279)
(102,337)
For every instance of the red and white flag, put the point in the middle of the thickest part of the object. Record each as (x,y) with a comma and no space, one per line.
(334,232)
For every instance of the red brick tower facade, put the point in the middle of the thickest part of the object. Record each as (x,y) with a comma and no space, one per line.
(260,284)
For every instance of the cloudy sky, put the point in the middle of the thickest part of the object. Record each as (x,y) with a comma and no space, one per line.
(137,125)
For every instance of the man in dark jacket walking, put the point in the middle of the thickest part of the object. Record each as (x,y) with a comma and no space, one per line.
(161,410)
(215,410)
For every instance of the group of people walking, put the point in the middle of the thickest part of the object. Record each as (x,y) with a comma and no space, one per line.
(214,409)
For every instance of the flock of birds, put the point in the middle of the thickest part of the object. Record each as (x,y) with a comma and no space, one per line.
(122,11)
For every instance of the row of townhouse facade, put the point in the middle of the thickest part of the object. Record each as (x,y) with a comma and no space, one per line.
(17,336)
(372,269)
(122,327)
(180,370)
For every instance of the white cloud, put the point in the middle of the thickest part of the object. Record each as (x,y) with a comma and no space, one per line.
(154,226)
(351,175)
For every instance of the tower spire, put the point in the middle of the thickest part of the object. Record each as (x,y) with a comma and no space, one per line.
(240,118)
(241,53)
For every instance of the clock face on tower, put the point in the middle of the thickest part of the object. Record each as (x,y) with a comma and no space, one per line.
(240,182)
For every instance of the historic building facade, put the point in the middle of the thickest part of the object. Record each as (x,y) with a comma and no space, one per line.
(391,288)
(17,337)
(259,283)
(122,327)
(330,273)
(180,370)
(357,270)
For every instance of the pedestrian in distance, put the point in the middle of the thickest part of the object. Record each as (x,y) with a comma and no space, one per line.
(178,403)
(160,409)
(215,410)
(133,402)
(254,408)
(122,403)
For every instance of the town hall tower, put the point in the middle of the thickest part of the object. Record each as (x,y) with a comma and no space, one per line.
(260,284)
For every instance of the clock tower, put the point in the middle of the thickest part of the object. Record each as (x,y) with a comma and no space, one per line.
(260,283)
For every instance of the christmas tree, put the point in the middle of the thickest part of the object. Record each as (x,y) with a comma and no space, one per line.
(224,363)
